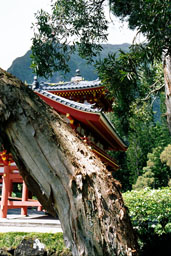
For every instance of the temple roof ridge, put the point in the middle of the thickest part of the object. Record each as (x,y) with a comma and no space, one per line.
(71,85)
(88,108)
(70,103)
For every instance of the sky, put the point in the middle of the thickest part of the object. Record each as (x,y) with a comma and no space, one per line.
(16,18)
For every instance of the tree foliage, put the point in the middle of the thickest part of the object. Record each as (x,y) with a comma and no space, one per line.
(166,155)
(149,210)
(83,23)
(71,25)
(120,76)
(141,164)
(129,79)
(134,113)
(155,173)
(151,17)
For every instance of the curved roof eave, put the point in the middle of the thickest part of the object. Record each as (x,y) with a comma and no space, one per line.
(86,114)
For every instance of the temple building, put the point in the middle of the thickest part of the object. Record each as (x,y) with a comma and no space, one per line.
(83,105)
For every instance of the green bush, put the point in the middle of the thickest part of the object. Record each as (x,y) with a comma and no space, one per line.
(150,212)
(53,242)
(145,180)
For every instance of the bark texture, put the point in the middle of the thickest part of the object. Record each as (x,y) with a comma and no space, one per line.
(68,179)
(167,77)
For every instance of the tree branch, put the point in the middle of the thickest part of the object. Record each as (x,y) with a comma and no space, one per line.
(153,91)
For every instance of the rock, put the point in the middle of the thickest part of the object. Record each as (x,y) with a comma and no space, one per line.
(11,250)
(4,252)
(30,247)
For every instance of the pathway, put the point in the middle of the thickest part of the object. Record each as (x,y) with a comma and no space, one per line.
(34,222)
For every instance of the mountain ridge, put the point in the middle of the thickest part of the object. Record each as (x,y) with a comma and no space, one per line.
(21,66)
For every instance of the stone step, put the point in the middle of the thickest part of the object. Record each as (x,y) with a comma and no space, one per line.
(33,223)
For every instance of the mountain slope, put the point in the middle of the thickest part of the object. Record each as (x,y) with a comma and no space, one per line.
(21,66)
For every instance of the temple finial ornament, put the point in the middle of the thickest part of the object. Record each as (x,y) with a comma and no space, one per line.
(77,77)
(35,84)
(77,71)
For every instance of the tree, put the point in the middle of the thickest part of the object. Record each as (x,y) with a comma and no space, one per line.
(166,155)
(153,19)
(156,173)
(130,80)
(84,24)
(67,178)
(71,25)
(138,89)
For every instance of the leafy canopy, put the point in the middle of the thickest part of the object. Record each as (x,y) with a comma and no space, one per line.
(137,86)
(73,24)
(82,24)
(151,17)
(131,80)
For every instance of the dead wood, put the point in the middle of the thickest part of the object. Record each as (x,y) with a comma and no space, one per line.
(68,179)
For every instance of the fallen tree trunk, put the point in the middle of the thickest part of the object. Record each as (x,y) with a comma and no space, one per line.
(68,179)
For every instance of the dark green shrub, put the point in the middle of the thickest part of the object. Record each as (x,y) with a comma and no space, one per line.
(150,212)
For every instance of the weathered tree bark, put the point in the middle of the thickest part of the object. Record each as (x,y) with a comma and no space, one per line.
(68,179)
(167,77)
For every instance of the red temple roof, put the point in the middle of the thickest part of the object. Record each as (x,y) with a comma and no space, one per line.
(90,91)
(83,103)
(86,114)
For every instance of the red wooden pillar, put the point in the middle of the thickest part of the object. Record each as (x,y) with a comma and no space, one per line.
(39,208)
(10,188)
(5,191)
(24,199)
